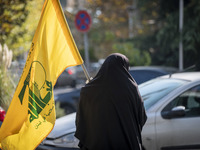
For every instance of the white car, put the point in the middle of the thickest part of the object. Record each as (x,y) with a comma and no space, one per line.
(172,103)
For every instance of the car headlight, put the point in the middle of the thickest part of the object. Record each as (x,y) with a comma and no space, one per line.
(68,140)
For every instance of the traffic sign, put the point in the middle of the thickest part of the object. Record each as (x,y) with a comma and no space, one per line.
(83,21)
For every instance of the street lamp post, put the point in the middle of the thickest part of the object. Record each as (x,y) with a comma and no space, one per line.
(181,35)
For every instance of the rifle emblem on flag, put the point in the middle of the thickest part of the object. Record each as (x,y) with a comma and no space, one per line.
(40,90)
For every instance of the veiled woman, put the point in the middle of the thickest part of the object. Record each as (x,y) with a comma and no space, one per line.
(111,113)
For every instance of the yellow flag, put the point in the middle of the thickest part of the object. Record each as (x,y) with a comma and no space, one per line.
(31,114)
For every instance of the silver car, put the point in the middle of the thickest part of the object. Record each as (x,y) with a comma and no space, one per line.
(172,103)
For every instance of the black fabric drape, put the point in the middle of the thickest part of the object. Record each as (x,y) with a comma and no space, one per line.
(111,114)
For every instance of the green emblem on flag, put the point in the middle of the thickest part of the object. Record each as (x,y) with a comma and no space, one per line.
(40,90)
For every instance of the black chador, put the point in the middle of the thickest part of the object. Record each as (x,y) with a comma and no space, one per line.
(111,112)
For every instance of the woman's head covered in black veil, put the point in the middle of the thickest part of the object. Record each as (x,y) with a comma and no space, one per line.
(118,60)
(115,67)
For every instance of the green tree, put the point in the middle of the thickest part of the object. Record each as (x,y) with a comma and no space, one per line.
(191,34)
(135,56)
(19,20)
(161,38)
(13,13)
(110,23)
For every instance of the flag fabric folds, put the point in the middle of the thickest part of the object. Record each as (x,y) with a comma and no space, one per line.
(31,114)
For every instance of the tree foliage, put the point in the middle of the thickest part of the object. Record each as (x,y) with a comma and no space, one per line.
(13,13)
(110,30)
(19,19)
(191,34)
(135,56)
(163,35)
(157,28)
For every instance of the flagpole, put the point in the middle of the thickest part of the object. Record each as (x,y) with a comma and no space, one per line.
(82,65)
(86,73)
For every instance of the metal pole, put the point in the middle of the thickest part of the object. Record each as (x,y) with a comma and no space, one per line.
(86,50)
(130,21)
(86,73)
(181,36)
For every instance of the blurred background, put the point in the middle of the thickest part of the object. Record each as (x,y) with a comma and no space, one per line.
(148,32)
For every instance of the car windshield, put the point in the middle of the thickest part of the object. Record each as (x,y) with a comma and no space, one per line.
(154,90)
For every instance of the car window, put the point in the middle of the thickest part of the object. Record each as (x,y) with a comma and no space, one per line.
(154,90)
(190,100)
(141,76)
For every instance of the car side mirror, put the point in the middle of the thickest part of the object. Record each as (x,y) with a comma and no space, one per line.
(176,112)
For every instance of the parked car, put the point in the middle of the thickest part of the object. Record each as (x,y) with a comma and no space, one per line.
(172,103)
(67,78)
(2,115)
(92,70)
(68,101)
(144,73)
